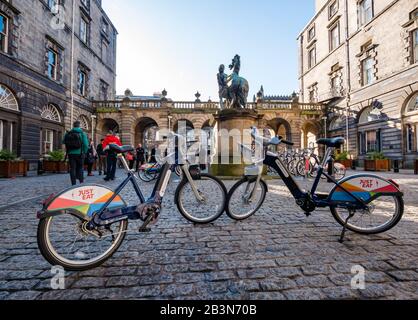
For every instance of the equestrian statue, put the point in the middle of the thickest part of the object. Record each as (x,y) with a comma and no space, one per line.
(233,88)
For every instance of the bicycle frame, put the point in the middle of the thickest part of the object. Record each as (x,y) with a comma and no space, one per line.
(319,200)
(107,215)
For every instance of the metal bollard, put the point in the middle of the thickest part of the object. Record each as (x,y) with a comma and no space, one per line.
(354,165)
(396,166)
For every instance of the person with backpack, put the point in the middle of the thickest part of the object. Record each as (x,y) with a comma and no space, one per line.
(112,159)
(76,145)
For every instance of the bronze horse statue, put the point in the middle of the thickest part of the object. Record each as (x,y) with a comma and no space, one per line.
(233,88)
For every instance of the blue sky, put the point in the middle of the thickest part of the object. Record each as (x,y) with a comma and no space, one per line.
(179,44)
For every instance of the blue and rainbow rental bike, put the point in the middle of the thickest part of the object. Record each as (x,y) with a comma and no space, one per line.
(365,204)
(83,226)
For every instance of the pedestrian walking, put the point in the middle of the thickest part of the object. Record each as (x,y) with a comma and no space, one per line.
(102,158)
(76,145)
(131,159)
(112,159)
(91,158)
(140,157)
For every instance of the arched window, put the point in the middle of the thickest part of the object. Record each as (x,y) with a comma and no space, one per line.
(7,99)
(337,123)
(51,113)
(84,122)
(410,138)
(413,104)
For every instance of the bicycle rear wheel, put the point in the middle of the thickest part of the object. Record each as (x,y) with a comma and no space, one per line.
(214,196)
(65,241)
(384,214)
(239,206)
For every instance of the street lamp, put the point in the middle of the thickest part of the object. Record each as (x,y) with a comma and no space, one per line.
(169,122)
(326,122)
(93,125)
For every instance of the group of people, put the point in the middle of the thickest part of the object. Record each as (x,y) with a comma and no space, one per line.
(81,151)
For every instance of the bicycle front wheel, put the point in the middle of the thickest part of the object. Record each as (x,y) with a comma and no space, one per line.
(385,213)
(65,241)
(214,195)
(245,199)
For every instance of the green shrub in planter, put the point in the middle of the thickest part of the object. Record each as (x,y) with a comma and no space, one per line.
(376,156)
(57,156)
(7,155)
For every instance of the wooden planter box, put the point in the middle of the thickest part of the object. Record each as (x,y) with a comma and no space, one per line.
(11,169)
(377,165)
(55,166)
(348,164)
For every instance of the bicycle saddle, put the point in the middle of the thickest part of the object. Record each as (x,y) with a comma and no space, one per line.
(118,149)
(332,142)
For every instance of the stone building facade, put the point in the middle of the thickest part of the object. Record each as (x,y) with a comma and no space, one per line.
(360,59)
(56,57)
(137,118)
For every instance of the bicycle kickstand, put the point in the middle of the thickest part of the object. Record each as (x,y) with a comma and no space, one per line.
(351,215)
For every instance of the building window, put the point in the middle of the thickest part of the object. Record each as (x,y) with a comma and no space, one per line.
(311,33)
(53,3)
(332,9)
(415,46)
(365,12)
(370,141)
(86,3)
(82,81)
(413,104)
(105,27)
(312,57)
(4,33)
(334,36)
(313,93)
(52,64)
(410,138)
(367,71)
(51,113)
(105,52)
(48,143)
(84,30)
(7,99)
(104,90)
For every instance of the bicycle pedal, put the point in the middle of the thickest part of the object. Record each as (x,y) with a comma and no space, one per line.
(144,230)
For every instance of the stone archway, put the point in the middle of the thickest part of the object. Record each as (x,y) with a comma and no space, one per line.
(189,128)
(146,132)
(281,127)
(106,125)
(310,133)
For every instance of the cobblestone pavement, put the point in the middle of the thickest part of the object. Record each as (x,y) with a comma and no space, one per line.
(277,254)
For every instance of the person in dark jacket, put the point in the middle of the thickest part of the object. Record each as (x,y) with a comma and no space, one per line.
(153,159)
(140,157)
(102,158)
(76,156)
(91,158)
(112,159)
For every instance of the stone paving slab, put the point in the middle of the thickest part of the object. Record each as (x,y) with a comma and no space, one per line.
(277,254)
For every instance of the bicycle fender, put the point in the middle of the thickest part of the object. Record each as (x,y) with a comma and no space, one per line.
(367,187)
(82,201)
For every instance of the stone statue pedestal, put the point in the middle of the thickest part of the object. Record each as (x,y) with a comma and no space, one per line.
(231,125)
